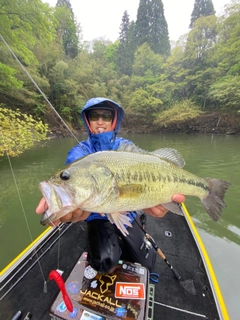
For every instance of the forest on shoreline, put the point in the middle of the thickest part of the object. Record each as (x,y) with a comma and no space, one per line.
(191,86)
(207,123)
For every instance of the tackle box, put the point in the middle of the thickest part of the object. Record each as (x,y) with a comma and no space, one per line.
(123,294)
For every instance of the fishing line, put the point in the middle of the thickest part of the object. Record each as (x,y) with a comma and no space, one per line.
(15,182)
(58,249)
(22,207)
(37,87)
(13,284)
(59,231)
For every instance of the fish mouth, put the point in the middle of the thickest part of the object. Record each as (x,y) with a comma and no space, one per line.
(60,201)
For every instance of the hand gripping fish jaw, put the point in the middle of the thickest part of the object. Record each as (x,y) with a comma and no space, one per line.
(54,275)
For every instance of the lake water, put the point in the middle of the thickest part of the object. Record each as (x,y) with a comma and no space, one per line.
(216,156)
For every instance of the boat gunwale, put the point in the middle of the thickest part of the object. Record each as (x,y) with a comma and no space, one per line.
(219,301)
(22,256)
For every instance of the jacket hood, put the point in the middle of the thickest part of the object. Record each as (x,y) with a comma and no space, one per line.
(104,103)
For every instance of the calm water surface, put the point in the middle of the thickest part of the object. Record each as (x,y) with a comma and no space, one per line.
(215,156)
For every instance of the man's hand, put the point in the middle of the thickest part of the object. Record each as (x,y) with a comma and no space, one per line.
(80,215)
(75,216)
(159,211)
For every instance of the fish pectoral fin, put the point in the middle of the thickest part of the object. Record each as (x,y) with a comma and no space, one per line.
(130,190)
(120,220)
(173,207)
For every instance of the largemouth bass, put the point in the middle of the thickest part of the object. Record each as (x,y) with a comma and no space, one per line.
(128,179)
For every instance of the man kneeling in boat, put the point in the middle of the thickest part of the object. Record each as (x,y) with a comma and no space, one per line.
(106,245)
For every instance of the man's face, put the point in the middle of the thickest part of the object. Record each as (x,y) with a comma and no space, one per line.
(100,120)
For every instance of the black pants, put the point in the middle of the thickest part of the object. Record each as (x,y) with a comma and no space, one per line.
(106,246)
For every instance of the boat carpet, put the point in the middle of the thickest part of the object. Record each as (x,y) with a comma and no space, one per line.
(191,296)
(187,298)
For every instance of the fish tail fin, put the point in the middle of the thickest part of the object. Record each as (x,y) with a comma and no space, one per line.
(213,202)
(120,220)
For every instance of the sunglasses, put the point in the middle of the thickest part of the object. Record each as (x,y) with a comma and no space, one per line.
(95,116)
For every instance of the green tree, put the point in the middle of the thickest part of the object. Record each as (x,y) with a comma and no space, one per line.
(99,47)
(141,107)
(64,90)
(25,23)
(143,85)
(147,64)
(226,93)
(198,64)
(126,46)
(24,26)
(124,28)
(202,8)
(8,80)
(173,79)
(66,4)
(151,26)
(227,51)
(111,55)
(67,30)
(159,38)
(19,132)
(142,22)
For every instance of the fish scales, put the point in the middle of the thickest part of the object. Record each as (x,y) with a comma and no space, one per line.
(141,181)
(129,179)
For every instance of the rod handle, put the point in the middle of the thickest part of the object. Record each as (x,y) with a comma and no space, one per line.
(176,274)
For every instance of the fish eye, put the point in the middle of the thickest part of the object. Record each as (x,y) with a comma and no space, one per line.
(64,175)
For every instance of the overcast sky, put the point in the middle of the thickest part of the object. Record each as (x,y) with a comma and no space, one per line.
(102,18)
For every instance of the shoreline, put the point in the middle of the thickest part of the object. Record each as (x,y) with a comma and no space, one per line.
(207,123)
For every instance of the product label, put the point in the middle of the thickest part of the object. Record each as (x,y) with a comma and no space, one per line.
(128,290)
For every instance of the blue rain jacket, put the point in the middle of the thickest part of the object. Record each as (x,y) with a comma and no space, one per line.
(98,142)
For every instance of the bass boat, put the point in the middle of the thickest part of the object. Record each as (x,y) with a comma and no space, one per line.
(182,285)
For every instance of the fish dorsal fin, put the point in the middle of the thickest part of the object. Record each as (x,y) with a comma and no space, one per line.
(170,155)
(130,147)
(164,153)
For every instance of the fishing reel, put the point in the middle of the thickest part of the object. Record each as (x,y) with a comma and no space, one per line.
(146,245)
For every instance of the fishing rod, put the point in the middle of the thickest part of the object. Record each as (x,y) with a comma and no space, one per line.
(161,254)
(72,134)
(157,249)
(38,88)
(35,253)
(188,284)
(39,257)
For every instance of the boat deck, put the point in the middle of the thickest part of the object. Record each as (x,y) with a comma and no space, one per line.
(188,298)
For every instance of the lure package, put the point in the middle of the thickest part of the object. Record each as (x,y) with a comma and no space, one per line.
(123,294)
